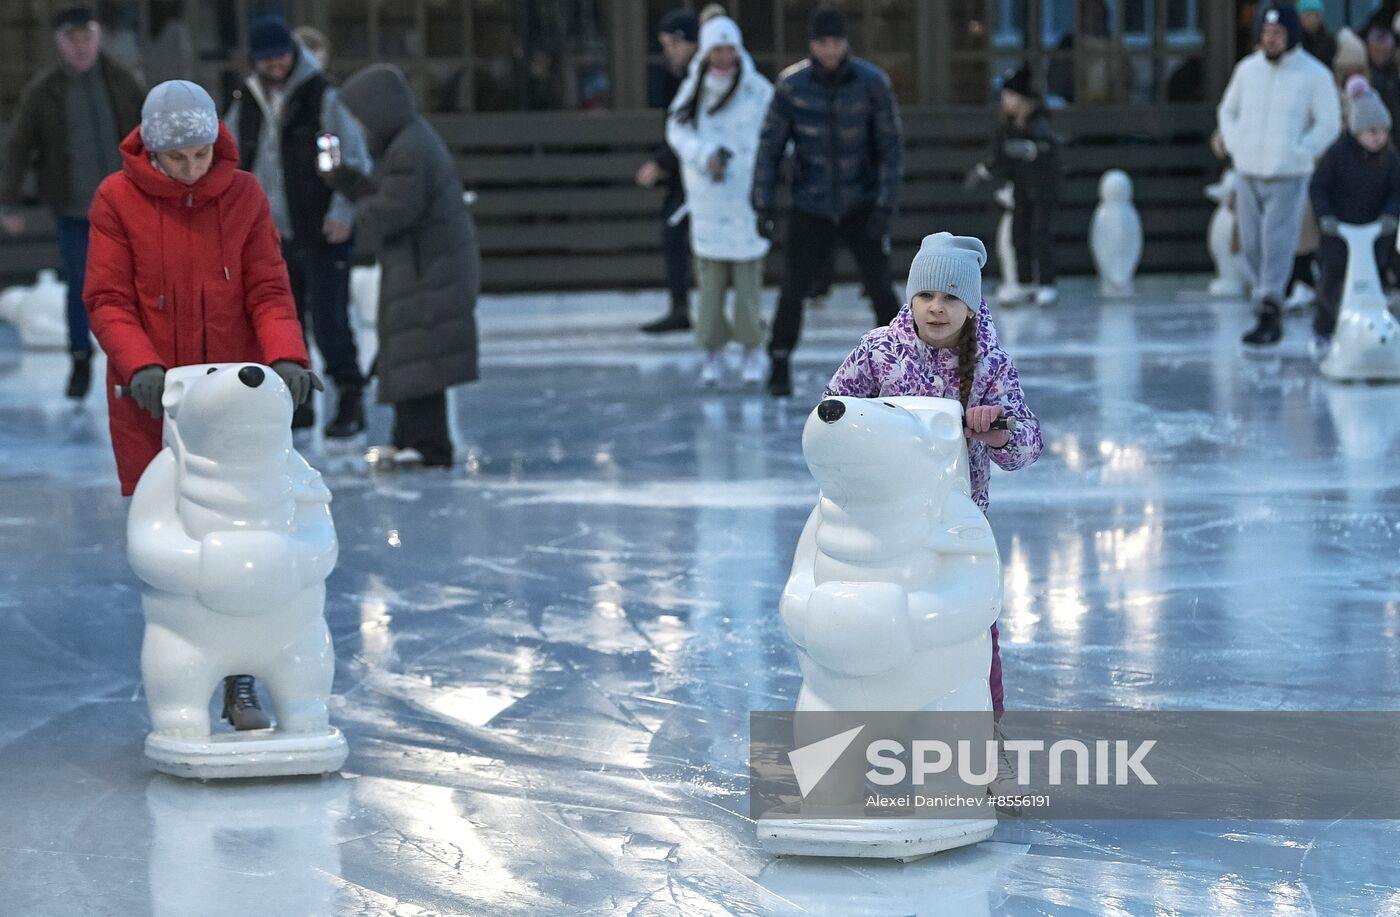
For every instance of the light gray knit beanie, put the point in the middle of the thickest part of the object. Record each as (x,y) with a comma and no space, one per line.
(948,264)
(1367,111)
(177,114)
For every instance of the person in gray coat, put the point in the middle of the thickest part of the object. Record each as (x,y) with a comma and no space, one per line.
(411,212)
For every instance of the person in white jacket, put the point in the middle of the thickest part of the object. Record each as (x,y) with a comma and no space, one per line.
(714,126)
(1279,114)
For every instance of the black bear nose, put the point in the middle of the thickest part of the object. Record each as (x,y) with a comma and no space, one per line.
(831,410)
(251,376)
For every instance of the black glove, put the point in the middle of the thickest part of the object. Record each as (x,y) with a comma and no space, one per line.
(877,225)
(299,381)
(1387,224)
(767,225)
(1023,150)
(1328,226)
(349,182)
(147,385)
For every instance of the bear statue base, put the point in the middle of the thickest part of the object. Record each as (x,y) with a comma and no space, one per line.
(259,753)
(883,838)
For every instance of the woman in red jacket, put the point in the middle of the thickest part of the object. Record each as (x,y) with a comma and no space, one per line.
(184,266)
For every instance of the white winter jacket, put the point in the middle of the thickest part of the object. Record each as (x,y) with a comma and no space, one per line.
(723,226)
(1277,118)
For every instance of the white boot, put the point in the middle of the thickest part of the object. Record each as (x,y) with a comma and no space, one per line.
(752,368)
(1046,296)
(1301,299)
(713,370)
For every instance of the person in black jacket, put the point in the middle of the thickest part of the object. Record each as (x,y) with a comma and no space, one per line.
(840,114)
(679,35)
(1356,181)
(1026,151)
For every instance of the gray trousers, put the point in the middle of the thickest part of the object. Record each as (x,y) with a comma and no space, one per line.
(1270,215)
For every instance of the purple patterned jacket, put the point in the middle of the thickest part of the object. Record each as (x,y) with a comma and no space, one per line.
(892,361)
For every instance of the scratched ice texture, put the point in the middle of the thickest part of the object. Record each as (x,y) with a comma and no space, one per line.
(547,655)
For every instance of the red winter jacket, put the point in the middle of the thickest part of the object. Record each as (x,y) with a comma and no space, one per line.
(180,274)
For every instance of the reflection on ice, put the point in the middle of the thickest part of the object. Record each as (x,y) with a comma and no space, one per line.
(546,682)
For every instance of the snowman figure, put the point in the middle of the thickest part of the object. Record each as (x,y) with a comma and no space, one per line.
(1115,238)
(1231,276)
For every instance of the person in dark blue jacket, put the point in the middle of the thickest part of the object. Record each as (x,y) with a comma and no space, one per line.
(1356,181)
(840,114)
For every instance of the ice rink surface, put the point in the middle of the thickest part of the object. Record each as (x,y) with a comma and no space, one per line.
(547,655)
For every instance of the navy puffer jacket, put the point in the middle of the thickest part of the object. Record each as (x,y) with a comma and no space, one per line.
(848,143)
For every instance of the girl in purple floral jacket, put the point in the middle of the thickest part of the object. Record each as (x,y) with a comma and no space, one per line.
(937,346)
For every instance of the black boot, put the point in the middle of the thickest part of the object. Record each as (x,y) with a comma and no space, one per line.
(678,319)
(80,377)
(241,707)
(304,416)
(1269,329)
(780,377)
(349,414)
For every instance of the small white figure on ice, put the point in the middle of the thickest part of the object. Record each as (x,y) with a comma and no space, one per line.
(230,532)
(40,312)
(1231,278)
(1010,291)
(1115,239)
(1366,343)
(895,585)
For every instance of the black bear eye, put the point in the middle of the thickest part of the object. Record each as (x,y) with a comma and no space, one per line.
(212,370)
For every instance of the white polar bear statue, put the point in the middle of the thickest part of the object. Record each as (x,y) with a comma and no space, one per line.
(1365,346)
(230,532)
(1115,237)
(1231,274)
(39,313)
(895,585)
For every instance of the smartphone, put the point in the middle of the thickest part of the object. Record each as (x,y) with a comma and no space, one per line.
(328,157)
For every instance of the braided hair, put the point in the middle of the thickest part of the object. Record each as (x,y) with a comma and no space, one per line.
(967,357)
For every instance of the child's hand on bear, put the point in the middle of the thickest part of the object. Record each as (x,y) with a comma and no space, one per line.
(979,425)
(300,381)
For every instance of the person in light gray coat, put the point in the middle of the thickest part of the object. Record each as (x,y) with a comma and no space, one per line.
(411,212)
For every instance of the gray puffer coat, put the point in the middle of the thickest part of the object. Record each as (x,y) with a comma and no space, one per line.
(416,221)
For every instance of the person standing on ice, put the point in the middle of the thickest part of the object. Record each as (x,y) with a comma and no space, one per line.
(941,346)
(1357,181)
(714,127)
(1279,113)
(840,115)
(184,267)
(1026,151)
(70,119)
(276,119)
(411,212)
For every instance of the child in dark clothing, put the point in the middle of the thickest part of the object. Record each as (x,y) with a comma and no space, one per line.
(1026,151)
(1356,181)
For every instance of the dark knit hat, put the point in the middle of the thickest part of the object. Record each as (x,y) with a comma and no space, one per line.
(1286,16)
(74,17)
(269,36)
(826,22)
(1018,80)
(682,23)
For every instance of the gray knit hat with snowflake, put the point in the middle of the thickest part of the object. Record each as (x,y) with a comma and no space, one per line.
(178,114)
(948,264)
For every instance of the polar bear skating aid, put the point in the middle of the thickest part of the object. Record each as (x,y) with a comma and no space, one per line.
(895,585)
(1366,343)
(1115,237)
(230,532)
(39,313)
(1231,274)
